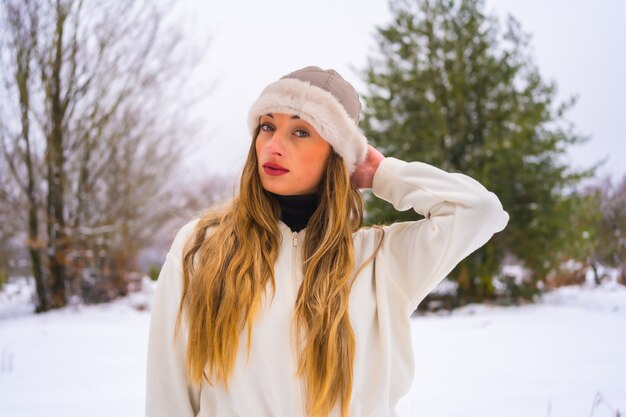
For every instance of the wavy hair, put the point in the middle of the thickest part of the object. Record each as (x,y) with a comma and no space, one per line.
(229,262)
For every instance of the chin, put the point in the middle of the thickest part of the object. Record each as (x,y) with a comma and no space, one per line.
(272,187)
(278,191)
(283,190)
(282,186)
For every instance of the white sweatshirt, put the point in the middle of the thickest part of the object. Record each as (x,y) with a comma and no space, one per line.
(461,215)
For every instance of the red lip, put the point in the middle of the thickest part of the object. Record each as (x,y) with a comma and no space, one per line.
(273,169)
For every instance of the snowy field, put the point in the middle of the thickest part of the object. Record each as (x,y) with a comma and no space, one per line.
(563,357)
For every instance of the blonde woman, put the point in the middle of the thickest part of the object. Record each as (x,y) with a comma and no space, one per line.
(282,304)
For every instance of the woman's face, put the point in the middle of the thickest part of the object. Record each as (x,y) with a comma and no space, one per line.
(291,155)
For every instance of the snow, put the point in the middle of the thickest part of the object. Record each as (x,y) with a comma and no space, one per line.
(560,357)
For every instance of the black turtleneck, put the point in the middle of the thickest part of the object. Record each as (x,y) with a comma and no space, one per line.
(296,210)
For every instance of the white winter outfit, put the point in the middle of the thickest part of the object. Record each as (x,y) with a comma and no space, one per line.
(460,216)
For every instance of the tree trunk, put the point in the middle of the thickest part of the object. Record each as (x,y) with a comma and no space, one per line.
(467,286)
(35,258)
(34,246)
(23,77)
(57,240)
(596,277)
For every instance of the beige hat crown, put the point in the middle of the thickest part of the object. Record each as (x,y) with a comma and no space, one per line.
(323,99)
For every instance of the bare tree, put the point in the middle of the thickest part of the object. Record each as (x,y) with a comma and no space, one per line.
(12,204)
(19,45)
(105,87)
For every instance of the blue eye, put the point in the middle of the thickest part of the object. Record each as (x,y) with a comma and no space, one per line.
(266,127)
(302,133)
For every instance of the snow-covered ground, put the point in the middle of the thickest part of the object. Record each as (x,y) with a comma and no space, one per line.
(563,357)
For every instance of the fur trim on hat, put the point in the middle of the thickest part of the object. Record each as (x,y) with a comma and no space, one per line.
(319,108)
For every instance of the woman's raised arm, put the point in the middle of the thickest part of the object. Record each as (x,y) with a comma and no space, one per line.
(460,216)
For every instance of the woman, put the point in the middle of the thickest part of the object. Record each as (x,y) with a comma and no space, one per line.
(281,304)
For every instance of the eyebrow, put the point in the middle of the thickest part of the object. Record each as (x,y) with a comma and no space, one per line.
(272,116)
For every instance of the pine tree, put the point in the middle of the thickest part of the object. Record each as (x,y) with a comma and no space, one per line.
(448,87)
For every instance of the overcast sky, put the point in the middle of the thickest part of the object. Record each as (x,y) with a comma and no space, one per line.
(581,45)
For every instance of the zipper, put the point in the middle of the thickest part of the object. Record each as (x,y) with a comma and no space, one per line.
(295,282)
(294,266)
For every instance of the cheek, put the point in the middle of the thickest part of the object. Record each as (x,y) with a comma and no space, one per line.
(315,162)
(259,149)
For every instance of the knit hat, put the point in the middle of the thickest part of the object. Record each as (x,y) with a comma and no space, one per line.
(323,99)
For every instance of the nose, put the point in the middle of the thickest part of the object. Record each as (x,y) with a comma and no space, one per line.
(275,145)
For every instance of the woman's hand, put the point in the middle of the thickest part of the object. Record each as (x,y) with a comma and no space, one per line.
(363,175)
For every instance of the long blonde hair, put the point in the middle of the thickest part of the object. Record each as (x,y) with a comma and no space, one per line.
(229,262)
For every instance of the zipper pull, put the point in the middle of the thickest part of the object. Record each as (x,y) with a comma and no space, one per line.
(295,238)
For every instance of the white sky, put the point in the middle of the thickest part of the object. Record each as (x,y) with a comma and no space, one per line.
(579,44)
